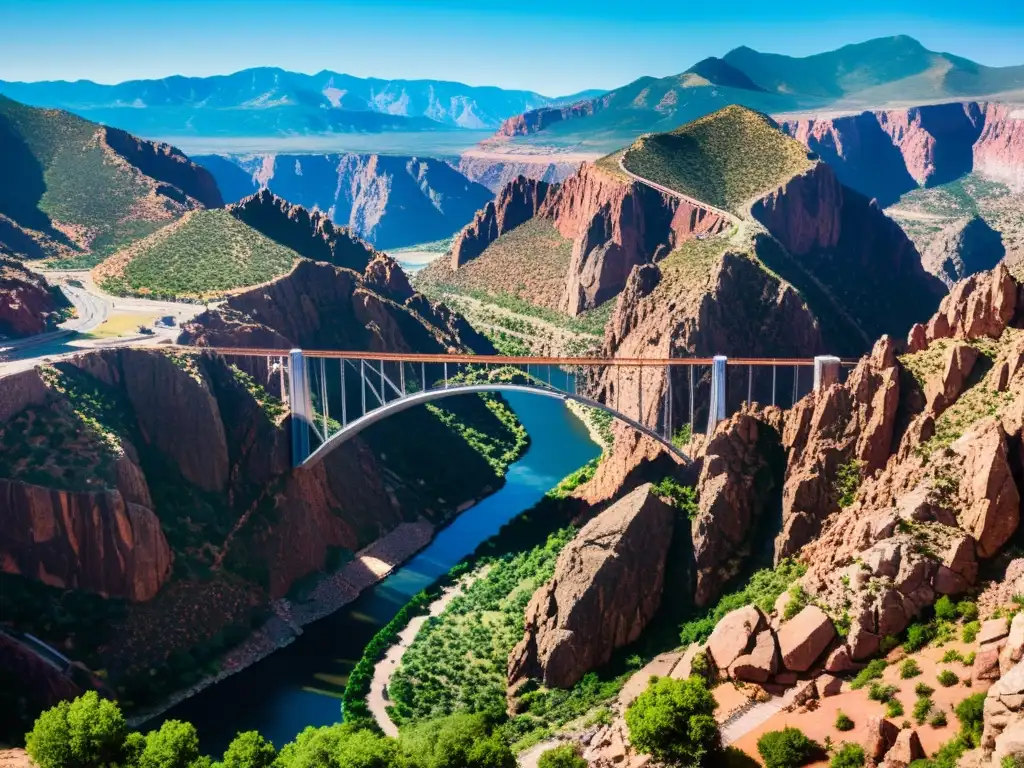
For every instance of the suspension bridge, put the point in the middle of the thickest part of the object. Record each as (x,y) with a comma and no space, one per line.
(334,395)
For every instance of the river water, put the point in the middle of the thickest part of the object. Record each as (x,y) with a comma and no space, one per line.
(301,684)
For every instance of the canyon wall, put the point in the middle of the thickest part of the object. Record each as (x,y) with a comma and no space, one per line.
(886,153)
(391,201)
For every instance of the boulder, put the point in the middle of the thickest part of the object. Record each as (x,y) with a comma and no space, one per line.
(606,588)
(986,662)
(1003,704)
(1009,743)
(992,630)
(804,638)
(734,635)
(990,501)
(880,738)
(1013,648)
(906,750)
(828,685)
(839,660)
(761,663)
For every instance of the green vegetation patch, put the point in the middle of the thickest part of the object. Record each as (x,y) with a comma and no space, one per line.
(208,253)
(725,159)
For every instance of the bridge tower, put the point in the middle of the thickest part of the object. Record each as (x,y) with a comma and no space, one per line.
(301,406)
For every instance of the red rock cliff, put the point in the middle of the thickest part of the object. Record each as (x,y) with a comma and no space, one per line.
(28,304)
(517,202)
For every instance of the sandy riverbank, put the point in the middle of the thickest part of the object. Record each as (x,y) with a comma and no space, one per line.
(377,699)
(370,566)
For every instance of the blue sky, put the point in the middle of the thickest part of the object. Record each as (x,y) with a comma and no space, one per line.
(551,46)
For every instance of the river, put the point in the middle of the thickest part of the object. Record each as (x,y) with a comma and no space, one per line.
(301,684)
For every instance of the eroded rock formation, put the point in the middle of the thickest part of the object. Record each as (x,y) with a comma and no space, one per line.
(962,249)
(606,588)
(518,201)
(28,303)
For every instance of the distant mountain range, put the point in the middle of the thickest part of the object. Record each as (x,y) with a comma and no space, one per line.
(893,71)
(269,102)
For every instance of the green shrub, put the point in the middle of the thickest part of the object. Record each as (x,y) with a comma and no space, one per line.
(909,668)
(1012,761)
(787,748)
(923,689)
(970,712)
(922,707)
(948,678)
(562,756)
(798,599)
(249,750)
(78,734)
(674,720)
(848,756)
(945,609)
(848,479)
(888,643)
(882,692)
(952,655)
(456,741)
(938,719)
(843,721)
(967,610)
(918,636)
(682,497)
(968,660)
(872,671)
(971,630)
(893,708)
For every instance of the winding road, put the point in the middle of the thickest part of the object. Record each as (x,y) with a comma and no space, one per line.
(93,307)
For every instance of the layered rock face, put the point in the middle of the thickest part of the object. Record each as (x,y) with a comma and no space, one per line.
(538,119)
(517,202)
(495,173)
(962,249)
(606,588)
(28,304)
(389,200)
(867,265)
(616,224)
(613,223)
(887,153)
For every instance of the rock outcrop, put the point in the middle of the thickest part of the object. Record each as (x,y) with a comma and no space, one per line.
(28,303)
(538,119)
(804,638)
(980,306)
(740,480)
(606,588)
(850,425)
(735,635)
(964,248)
(999,150)
(309,233)
(517,202)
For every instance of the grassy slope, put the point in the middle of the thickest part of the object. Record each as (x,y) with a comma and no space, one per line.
(531,261)
(84,186)
(209,253)
(724,159)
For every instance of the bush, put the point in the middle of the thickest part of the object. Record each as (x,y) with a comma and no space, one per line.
(938,719)
(921,709)
(971,630)
(952,655)
(923,689)
(945,609)
(249,750)
(967,610)
(909,669)
(882,693)
(872,671)
(562,756)
(787,748)
(848,756)
(918,636)
(1012,761)
(968,660)
(85,732)
(674,720)
(682,497)
(894,708)
(948,678)
(174,745)
(970,713)
(843,721)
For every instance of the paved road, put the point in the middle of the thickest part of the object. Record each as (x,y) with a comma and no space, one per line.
(93,307)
